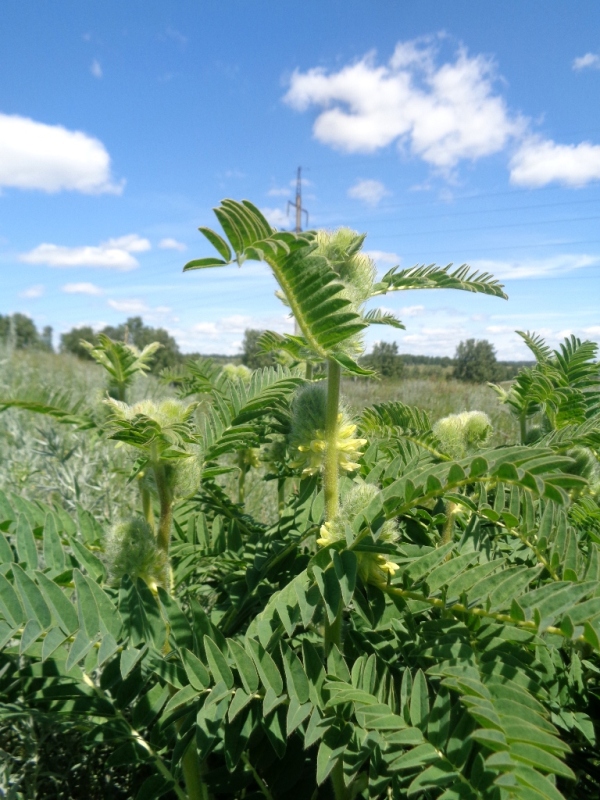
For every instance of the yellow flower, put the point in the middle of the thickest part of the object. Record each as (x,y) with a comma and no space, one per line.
(312,455)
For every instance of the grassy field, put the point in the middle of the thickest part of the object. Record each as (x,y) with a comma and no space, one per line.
(41,459)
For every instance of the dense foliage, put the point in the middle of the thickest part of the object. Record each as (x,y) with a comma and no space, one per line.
(420,619)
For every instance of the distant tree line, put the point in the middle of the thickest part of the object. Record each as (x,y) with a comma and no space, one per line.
(19,331)
(474,361)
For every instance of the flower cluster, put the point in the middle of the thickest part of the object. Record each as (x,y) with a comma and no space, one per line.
(373,567)
(308,443)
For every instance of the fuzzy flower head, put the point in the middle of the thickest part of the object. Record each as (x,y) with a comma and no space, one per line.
(237,372)
(131,549)
(355,269)
(372,567)
(308,443)
(462,434)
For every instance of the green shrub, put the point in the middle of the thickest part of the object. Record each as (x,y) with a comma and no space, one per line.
(418,619)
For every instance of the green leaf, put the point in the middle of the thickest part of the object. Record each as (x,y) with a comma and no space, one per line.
(329,587)
(245,666)
(52,641)
(417,757)
(79,649)
(296,679)
(33,601)
(11,608)
(217,663)
(266,667)
(130,657)
(61,605)
(92,564)
(89,618)
(217,242)
(345,565)
(540,759)
(331,750)
(54,555)
(195,670)
(26,546)
(419,701)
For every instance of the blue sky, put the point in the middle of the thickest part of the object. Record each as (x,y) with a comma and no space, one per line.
(456,132)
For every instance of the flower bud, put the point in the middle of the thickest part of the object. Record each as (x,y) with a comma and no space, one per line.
(461,434)
(131,549)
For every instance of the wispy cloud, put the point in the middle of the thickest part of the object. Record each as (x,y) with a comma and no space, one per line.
(96,69)
(135,306)
(171,244)
(82,288)
(51,158)
(588,61)
(536,267)
(277,217)
(370,192)
(383,258)
(33,291)
(112,254)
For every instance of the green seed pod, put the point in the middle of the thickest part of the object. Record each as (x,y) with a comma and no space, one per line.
(461,434)
(131,549)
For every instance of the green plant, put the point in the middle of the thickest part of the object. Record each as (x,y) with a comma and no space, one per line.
(419,620)
(475,361)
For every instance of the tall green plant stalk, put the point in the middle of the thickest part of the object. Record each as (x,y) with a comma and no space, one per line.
(190,764)
(331,480)
(241,477)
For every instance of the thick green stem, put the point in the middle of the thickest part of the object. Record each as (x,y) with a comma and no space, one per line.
(451,512)
(337,781)
(192,774)
(241,478)
(333,630)
(147,506)
(309,371)
(331,469)
(523,428)
(165,497)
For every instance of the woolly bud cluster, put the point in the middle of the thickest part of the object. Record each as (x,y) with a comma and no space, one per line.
(461,434)
(373,567)
(308,443)
(131,549)
(237,372)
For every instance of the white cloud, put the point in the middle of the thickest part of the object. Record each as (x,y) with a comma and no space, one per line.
(171,244)
(593,330)
(135,306)
(541,161)
(33,291)
(51,158)
(588,61)
(129,306)
(277,217)
(369,191)
(112,254)
(82,288)
(536,267)
(442,114)
(383,257)
(277,192)
(224,335)
(96,69)
(411,311)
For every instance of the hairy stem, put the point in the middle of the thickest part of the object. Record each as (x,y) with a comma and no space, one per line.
(165,497)
(337,781)
(452,510)
(147,508)
(331,470)
(280,496)
(333,630)
(523,427)
(241,478)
